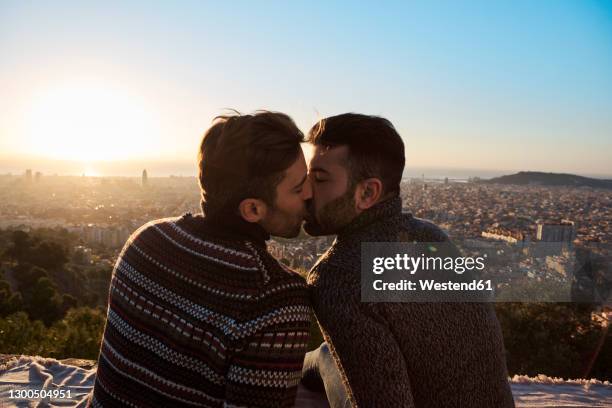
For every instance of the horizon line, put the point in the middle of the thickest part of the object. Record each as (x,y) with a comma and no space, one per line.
(437,173)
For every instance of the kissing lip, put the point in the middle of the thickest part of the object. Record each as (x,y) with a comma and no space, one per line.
(309,217)
(310,213)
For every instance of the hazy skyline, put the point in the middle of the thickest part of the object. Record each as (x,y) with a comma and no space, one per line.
(474,85)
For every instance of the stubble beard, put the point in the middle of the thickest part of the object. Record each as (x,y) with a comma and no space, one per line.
(288,226)
(332,217)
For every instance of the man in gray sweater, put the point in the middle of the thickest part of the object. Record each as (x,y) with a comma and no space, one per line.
(388,354)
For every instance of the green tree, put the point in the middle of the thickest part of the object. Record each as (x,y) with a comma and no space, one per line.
(18,250)
(9,302)
(43,302)
(80,333)
(602,359)
(548,338)
(46,253)
(68,302)
(19,335)
(27,275)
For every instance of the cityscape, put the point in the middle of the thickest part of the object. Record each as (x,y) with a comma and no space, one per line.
(60,237)
(102,212)
(503,109)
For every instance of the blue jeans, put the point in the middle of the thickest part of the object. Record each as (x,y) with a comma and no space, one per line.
(320,373)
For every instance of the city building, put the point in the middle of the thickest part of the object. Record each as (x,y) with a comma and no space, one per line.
(503,234)
(565,232)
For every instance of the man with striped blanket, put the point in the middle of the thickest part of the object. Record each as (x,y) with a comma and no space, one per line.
(200,314)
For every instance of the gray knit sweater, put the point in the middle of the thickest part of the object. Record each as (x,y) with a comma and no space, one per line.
(405,354)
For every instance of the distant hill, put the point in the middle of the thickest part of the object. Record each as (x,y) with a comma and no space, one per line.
(550,179)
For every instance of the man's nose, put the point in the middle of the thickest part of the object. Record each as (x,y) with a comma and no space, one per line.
(307,190)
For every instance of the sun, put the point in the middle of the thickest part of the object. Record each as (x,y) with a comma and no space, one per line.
(90,122)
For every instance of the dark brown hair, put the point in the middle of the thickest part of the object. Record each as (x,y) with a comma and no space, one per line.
(245,156)
(375,147)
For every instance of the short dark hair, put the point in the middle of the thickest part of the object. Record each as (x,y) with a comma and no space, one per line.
(375,147)
(245,156)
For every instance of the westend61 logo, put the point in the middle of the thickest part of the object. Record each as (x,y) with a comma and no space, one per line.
(472,270)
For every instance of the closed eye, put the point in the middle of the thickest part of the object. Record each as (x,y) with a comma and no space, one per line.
(300,187)
(316,173)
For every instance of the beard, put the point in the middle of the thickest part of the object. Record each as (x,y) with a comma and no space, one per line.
(333,216)
(282,224)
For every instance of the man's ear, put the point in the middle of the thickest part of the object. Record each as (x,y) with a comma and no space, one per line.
(367,193)
(252,209)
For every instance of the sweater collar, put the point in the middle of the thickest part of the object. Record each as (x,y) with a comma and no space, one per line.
(230,226)
(384,210)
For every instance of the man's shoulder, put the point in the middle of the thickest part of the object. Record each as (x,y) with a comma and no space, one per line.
(336,269)
(151,230)
(420,230)
(154,224)
(409,229)
(277,273)
(180,237)
(284,287)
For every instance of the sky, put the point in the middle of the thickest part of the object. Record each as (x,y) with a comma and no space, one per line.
(472,87)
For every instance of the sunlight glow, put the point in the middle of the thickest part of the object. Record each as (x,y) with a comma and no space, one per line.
(89,171)
(89,121)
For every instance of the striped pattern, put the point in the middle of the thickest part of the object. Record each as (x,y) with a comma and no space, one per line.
(201,322)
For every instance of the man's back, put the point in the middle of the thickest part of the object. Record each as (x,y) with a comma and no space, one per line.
(405,354)
(199,317)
